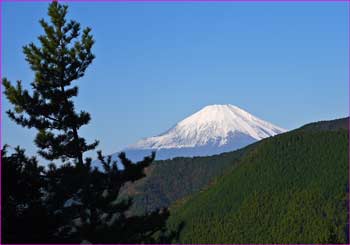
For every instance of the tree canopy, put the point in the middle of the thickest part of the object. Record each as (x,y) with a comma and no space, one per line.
(63,56)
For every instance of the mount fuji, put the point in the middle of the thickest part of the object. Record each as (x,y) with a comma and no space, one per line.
(212,130)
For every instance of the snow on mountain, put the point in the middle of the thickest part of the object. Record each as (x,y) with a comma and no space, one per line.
(212,130)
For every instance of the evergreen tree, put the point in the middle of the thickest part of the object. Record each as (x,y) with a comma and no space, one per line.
(61,59)
(85,200)
(22,193)
(78,202)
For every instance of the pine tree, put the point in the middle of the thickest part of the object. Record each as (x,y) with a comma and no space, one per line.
(85,200)
(80,202)
(61,59)
(24,217)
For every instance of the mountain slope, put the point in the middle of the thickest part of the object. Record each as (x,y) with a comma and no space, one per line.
(291,188)
(168,181)
(212,130)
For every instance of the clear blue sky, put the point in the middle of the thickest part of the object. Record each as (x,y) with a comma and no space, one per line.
(157,63)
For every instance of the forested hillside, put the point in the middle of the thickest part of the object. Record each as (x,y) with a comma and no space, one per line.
(290,188)
(170,180)
(332,125)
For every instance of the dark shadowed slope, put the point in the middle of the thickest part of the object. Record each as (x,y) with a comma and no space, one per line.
(170,180)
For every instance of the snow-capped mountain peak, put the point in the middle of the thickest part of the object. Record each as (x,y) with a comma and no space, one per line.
(215,125)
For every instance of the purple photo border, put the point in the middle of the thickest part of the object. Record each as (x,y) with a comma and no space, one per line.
(1,55)
(242,1)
